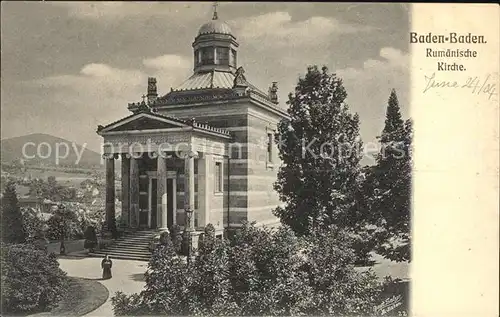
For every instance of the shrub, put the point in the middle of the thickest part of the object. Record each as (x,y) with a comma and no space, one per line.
(90,238)
(32,223)
(165,238)
(266,274)
(176,237)
(339,288)
(258,272)
(31,279)
(124,305)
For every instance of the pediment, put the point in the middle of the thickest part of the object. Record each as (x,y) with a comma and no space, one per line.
(143,122)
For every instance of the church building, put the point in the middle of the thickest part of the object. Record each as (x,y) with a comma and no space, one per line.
(201,153)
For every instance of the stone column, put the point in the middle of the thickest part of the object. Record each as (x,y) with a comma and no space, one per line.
(110,191)
(204,189)
(126,189)
(134,192)
(189,187)
(161,193)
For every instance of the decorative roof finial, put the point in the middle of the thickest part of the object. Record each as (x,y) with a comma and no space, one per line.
(144,98)
(215,5)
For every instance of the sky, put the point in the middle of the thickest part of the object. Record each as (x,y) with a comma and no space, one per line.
(69,66)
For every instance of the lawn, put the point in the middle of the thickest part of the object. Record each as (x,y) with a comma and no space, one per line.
(82,297)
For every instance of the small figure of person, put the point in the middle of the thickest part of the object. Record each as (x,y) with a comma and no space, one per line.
(106,265)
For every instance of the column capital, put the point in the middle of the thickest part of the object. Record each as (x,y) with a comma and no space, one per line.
(153,154)
(162,154)
(190,154)
(110,156)
(134,155)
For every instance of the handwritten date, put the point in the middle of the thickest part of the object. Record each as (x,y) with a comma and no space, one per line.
(477,85)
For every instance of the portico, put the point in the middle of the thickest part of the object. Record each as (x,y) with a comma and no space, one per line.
(163,159)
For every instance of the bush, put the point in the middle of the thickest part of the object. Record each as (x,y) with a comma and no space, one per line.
(338,288)
(258,272)
(363,243)
(33,225)
(31,279)
(165,238)
(176,237)
(90,238)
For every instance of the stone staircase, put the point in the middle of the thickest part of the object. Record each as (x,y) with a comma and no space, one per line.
(131,246)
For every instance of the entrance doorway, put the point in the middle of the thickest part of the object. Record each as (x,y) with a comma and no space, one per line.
(154,219)
(153,206)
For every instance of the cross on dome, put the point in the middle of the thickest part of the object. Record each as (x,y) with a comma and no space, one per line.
(215,5)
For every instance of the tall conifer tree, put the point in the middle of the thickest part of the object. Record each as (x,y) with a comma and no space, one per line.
(12,219)
(390,182)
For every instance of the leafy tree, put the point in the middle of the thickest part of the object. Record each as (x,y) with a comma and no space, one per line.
(36,188)
(52,190)
(388,186)
(320,149)
(12,218)
(64,222)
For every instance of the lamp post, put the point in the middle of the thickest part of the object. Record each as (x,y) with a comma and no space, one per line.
(189,199)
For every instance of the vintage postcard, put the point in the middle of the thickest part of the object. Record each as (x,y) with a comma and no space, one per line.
(249,159)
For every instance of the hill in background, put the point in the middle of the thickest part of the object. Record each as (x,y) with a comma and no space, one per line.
(12,151)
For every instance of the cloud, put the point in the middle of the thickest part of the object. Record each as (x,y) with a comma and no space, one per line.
(168,61)
(392,60)
(100,85)
(97,70)
(116,10)
(368,88)
(96,78)
(277,28)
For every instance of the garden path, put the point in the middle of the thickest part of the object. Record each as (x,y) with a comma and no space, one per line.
(128,277)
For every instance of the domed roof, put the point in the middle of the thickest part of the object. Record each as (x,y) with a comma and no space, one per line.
(215,26)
